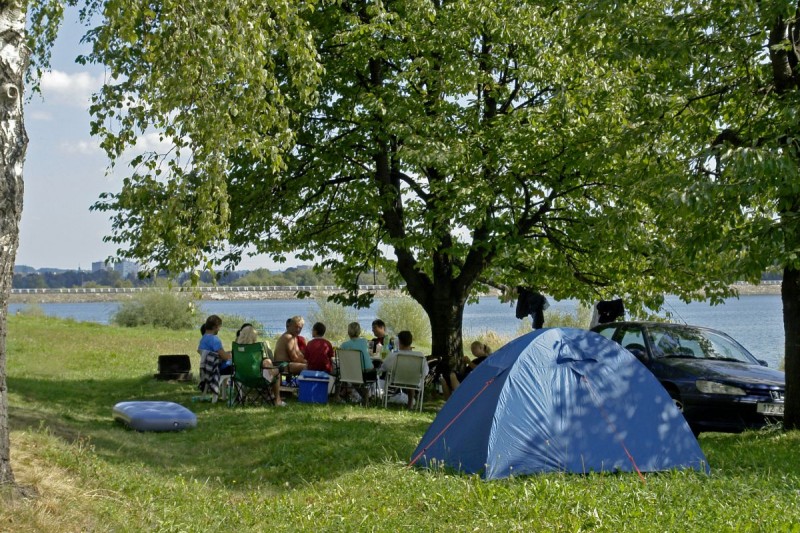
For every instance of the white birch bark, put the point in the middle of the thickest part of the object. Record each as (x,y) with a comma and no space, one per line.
(13,143)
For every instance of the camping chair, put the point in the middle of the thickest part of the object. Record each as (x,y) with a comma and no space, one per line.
(211,382)
(408,373)
(438,377)
(352,371)
(249,384)
(289,381)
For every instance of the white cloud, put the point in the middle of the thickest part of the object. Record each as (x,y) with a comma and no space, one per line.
(147,143)
(151,142)
(73,89)
(81,147)
(39,115)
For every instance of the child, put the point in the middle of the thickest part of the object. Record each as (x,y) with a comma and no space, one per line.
(319,352)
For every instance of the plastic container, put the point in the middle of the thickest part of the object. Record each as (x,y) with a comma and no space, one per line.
(313,386)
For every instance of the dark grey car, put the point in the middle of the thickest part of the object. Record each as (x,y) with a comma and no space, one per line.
(714,380)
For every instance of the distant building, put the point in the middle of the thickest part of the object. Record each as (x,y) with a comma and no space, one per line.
(97,266)
(124,268)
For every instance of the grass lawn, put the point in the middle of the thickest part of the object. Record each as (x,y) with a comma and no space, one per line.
(311,467)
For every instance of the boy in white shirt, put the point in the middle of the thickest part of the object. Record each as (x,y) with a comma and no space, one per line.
(404,340)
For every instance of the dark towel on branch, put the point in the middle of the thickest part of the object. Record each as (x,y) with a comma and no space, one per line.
(531,303)
(610,310)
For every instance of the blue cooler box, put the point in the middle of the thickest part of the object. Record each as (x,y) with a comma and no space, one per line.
(313,386)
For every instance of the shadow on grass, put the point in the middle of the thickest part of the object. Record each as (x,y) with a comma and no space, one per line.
(238,447)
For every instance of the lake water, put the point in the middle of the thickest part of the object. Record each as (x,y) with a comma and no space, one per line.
(756,321)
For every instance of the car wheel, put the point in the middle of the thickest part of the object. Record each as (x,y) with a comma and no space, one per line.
(676,397)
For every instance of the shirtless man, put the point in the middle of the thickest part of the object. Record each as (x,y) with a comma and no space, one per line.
(287,352)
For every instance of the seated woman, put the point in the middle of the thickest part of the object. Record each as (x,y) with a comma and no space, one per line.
(480,351)
(247,334)
(358,343)
(212,356)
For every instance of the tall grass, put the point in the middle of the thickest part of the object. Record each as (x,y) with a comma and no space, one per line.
(335,317)
(163,309)
(32,309)
(232,322)
(489,338)
(404,313)
(317,467)
(560,319)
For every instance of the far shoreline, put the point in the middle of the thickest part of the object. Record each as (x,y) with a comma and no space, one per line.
(45,298)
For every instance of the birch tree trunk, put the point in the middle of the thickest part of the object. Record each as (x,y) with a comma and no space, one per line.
(13,143)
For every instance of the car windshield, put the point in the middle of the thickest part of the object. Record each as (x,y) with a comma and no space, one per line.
(697,344)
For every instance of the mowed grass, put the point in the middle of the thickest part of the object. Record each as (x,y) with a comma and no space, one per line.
(316,468)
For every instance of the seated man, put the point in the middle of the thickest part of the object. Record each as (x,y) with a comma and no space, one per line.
(287,353)
(404,340)
(380,340)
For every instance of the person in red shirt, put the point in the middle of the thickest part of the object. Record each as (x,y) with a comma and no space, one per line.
(319,352)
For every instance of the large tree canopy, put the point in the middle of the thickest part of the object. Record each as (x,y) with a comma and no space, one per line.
(451,142)
(740,85)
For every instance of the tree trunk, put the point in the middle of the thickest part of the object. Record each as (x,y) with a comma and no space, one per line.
(790,297)
(443,300)
(446,316)
(14,141)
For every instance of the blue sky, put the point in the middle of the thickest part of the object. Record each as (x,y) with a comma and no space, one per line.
(65,170)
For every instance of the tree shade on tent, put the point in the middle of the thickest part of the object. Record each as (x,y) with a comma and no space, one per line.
(560,400)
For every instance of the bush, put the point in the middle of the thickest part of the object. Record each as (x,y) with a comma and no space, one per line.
(32,310)
(232,323)
(557,319)
(335,317)
(162,309)
(489,338)
(405,313)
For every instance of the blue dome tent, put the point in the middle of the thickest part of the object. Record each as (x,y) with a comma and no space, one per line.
(560,400)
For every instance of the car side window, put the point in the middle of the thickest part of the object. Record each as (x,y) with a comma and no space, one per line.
(632,336)
(608,332)
(675,343)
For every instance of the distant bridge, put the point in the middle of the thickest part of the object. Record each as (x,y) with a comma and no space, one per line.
(227,288)
(232,288)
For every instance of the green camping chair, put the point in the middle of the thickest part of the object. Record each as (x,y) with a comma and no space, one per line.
(248,385)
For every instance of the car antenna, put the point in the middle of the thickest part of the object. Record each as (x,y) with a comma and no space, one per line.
(675,311)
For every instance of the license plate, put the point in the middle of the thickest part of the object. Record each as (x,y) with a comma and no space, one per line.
(770,409)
